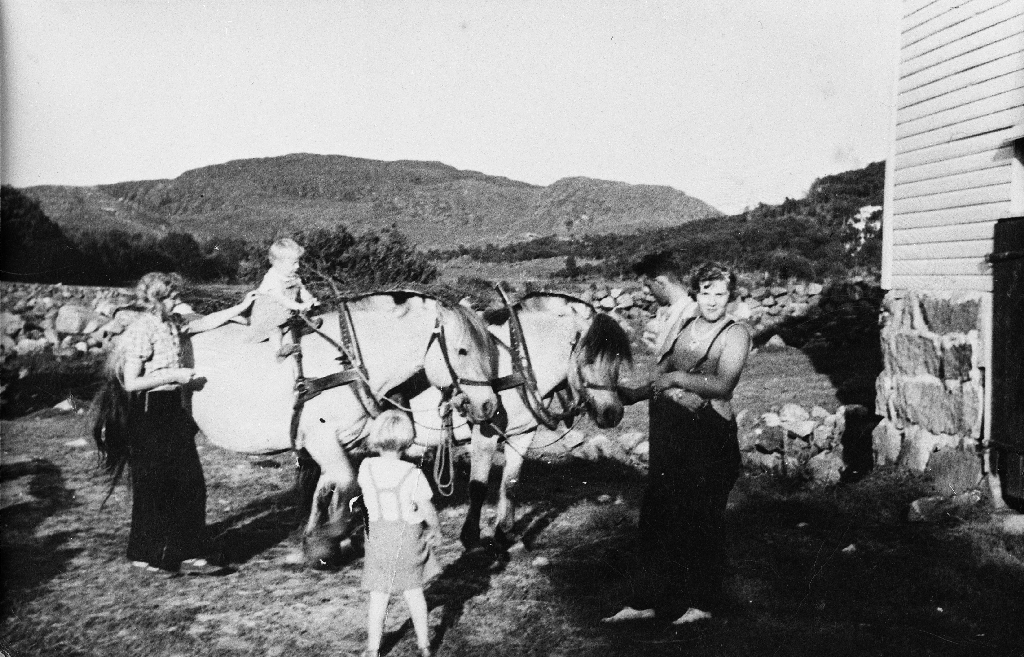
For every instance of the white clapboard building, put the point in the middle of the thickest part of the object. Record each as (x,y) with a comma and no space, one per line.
(952,394)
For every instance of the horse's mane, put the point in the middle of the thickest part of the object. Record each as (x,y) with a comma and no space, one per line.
(478,333)
(399,297)
(535,302)
(605,339)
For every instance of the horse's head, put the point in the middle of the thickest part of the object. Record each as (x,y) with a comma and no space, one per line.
(464,356)
(594,369)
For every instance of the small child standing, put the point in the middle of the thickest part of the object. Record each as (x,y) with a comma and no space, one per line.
(280,294)
(403,529)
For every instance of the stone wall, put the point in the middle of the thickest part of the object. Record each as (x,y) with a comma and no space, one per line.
(60,319)
(931,392)
(762,307)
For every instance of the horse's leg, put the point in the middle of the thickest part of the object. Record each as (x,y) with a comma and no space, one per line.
(482,454)
(321,541)
(505,515)
(307,476)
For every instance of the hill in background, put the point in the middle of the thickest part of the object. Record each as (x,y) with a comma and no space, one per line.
(432,203)
(817,236)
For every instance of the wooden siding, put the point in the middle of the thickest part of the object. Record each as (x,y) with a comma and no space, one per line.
(939,16)
(986,177)
(1007,46)
(941,267)
(989,27)
(953,165)
(951,283)
(1007,64)
(963,249)
(981,16)
(959,95)
(979,230)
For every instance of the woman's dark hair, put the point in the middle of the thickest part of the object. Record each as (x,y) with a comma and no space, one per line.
(711,272)
(662,263)
(110,430)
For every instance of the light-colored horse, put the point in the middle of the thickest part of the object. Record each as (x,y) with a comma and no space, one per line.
(571,346)
(246,404)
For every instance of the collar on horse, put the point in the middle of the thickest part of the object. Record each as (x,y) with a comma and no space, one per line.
(353,371)
(525,380)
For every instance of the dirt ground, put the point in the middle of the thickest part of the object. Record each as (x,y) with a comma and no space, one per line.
(834,571)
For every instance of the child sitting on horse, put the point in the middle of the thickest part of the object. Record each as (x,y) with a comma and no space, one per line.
(281,295)
(402,531)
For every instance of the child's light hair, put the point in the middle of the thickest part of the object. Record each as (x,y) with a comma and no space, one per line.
(285,248)
(392,431)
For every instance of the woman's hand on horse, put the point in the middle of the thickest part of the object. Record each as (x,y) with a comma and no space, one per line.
(186,377)
(249,299)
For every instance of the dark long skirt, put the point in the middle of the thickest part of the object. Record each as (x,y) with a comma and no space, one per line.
(168,488)
(694,463)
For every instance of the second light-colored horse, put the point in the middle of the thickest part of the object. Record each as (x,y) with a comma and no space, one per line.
(571,345)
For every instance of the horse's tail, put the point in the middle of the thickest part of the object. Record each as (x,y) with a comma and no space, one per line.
(110,430)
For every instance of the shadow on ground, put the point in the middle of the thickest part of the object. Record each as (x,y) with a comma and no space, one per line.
(545,492)
(257,527)
(30,561)
(837,571)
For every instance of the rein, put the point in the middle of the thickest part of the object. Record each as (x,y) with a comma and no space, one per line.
(525,380)
(354,373)
(457,381)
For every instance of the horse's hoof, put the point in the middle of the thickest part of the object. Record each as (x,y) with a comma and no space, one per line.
(470,539)
(321,552)
(503,541)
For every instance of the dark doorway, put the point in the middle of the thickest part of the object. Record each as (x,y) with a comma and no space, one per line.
(1008,358)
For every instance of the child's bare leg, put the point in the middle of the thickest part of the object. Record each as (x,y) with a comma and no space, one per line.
(418,610)
(375,620)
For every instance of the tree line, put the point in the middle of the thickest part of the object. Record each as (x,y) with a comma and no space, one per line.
(35,249)
(812,238)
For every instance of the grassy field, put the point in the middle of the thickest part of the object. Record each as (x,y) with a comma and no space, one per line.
(833,571)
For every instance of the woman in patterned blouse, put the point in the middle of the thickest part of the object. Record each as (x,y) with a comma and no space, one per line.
(144,423)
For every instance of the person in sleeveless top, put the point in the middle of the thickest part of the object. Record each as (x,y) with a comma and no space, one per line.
(694,453)
(402,531)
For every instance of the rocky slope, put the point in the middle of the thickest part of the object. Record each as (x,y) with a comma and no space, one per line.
(432,203)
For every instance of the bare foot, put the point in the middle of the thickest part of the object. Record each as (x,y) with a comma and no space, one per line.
(692,615)
(629,614)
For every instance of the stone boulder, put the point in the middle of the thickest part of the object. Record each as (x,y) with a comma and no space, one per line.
(11,324)
(954,471)
(72,318)
(826,468)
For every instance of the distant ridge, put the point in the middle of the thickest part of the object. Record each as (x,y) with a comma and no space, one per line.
(433,204)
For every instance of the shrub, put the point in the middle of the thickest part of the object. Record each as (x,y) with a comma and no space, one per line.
(34,248)
(337,260)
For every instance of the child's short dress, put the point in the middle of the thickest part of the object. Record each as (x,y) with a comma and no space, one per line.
(397,557)
(268,316)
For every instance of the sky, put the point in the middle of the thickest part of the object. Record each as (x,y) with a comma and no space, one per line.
(735,102)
